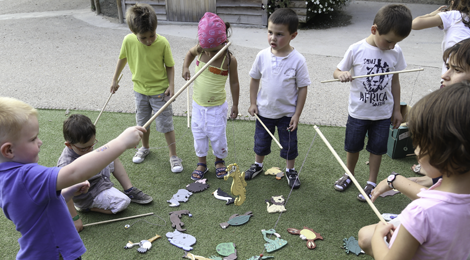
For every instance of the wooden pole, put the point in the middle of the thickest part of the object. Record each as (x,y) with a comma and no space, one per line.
(378,74)
(267,130)
(187,105)
(186,85)
(110,95)
(358,186)
(117,219)
(119,8)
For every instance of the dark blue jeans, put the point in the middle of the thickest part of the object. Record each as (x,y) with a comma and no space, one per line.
(287,139)
(377,131)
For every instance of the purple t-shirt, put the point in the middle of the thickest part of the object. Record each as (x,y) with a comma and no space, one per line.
(29,198)
(439,221)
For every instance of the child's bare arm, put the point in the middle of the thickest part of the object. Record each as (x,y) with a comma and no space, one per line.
(402,184)
(93,162)
(396,115)
(170,73)
(119,67)
(343,76)
(404,247)
(73,213)
(302,97)
(234,87)
(254,87)
(75,190)
(428,20)
(188,59)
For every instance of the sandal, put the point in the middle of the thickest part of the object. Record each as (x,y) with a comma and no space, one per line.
(417,169)
(199,173)
(342,184)
(220,170)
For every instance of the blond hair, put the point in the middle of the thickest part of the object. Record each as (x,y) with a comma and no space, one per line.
(13,116)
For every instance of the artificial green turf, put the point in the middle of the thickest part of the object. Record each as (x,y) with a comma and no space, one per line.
(335,215)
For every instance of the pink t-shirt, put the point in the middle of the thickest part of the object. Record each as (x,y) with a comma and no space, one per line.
(440,222)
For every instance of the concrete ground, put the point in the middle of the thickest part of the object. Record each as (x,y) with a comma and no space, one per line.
(61,55)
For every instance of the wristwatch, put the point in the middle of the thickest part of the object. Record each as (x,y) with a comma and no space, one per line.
(391,178)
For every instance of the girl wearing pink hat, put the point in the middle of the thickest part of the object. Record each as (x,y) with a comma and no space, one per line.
(209,114)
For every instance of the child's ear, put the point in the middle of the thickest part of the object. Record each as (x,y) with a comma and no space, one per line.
(292,36)
(374,30)
(6,150)
(69,145)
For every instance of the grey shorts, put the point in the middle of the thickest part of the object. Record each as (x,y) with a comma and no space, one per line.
(145,107)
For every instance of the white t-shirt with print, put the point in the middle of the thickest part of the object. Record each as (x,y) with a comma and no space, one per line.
(454,30)
(280,78)
(370,98)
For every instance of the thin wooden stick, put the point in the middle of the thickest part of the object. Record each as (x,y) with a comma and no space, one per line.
(187,105)
(118,219)
(110,95)
(358,186)
(186,85)
(378,74)
(269,132)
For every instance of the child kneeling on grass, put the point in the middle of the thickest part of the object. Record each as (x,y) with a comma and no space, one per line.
(434,226)
(79,135)
(31,193)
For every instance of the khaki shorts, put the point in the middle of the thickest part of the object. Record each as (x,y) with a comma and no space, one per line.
(146,106)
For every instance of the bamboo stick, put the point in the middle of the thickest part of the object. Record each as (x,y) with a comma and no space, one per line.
(187,105)
(358,186)
(118,219)
(186,85)
(378,74)
(269,132)
(110,95)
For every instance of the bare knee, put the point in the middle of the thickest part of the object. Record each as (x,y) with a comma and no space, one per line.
(365,237)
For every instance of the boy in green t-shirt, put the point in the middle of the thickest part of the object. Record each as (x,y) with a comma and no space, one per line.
(151,63)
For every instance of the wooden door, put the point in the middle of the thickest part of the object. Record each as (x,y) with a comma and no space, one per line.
(189,10)
(247,12)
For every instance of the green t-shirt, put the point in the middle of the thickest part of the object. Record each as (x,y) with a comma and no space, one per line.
(148,63)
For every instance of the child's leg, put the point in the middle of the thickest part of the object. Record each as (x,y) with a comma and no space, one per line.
(216,124)
(351,161)
(374,166)
(145,139)
(110,201)
(201,141)
(170,140)
(121,175)
(262,146)
(365,237)
(289,151)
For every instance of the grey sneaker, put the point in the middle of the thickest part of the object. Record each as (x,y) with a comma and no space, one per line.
(293,179)
(368,189)
(81,209)
(138,196)
(140,155)
(176,165)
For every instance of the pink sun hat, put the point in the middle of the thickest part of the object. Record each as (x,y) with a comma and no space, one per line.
(211,31)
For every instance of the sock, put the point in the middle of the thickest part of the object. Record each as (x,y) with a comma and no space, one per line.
(371,183)
(288,170)
(143,148)
(259,164)
(129,190)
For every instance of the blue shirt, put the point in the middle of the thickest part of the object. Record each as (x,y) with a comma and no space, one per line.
(29,198)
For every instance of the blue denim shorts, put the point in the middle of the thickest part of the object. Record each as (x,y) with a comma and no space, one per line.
(288,140)
(145,106)
(376,130)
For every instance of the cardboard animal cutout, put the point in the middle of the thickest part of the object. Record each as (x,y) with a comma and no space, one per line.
(306,234)
(181,196)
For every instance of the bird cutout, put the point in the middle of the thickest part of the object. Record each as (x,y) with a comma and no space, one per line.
(350,245)
(275,171)
(196,257)
(237,220)
(181,196)
(197,186)
(277,204)
(306,234)
(145,245)
(222,195)
(175,219)
(238,183)
(275,244)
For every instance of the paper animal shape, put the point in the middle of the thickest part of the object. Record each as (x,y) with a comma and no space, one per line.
(277,204)
(197,186)
(181,196)
(237,220)
(175,219)
(238,183)
(222,195)
(198,257)
(260,257)
(181,240)
(275,244)
(351,245)
(228,250)
(306,234)
(275,171)
(144,245)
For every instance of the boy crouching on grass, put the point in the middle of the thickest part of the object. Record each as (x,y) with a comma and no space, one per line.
(79,135)
(30,194)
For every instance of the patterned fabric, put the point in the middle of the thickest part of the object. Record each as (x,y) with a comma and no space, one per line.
(211,31)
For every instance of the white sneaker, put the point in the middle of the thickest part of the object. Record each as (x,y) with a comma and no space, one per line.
(140,155)
(176,165)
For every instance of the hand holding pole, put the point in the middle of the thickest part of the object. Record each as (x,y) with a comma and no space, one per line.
(377,74)
(110,95)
